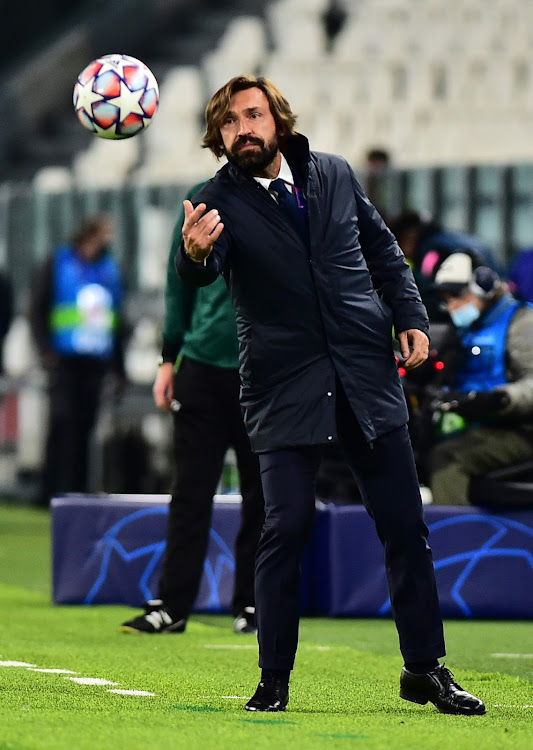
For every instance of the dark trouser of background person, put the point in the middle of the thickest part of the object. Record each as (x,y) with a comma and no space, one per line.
(208,422)
(387,477)
(6,313)
(474,453)
(74,389)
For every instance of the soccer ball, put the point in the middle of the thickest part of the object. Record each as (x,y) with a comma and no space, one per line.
(116,96)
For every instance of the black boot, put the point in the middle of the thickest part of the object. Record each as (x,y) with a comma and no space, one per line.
(271,695)
(439,687)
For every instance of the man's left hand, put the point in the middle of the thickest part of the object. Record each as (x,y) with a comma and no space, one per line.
(414,346)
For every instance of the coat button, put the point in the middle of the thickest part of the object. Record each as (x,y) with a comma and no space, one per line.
(330,393)
(330,437)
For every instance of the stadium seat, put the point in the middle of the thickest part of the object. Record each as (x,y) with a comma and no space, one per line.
(245,39)
(299,81)
(296,29)
(53,180)
(106,163)
(241,50)
(182,90)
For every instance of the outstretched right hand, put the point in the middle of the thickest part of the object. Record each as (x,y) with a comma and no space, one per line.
(200,230)
(163,389)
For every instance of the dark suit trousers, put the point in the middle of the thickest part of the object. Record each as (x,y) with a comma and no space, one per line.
(74,391)
(386,475)
(207,424)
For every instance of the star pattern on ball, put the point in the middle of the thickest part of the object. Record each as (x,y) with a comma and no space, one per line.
(110,132)
(86,96)
(128,101)
(116,63)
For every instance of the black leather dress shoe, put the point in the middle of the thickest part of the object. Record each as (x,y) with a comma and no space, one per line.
(271,695)
(440,688)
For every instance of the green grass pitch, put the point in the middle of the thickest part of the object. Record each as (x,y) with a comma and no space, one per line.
(344,691)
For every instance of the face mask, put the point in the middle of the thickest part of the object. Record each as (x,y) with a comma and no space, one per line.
(464,316)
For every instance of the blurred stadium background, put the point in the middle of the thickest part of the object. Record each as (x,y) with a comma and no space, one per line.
(445,87)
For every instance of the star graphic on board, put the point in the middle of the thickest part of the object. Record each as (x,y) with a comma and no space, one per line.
(86,96)
(128,101)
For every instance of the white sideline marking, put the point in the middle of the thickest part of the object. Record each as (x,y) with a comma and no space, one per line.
(234,697)
(131,692)
(510,705)
(51,671)
(217,645)
(91,681)
(78,680)
(513,656)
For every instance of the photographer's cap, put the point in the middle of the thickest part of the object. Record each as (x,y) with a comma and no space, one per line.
(458,272)
(455,273)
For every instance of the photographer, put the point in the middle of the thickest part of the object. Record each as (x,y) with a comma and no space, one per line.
(485,417)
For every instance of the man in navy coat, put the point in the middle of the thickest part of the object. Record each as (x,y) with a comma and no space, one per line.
(317,282)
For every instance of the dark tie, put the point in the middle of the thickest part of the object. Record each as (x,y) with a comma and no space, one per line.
(290,205)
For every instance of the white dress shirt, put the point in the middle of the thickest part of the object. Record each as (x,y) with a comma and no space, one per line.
(284,174)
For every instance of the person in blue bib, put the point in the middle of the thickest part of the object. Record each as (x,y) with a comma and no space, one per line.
(75,318)
(486,416)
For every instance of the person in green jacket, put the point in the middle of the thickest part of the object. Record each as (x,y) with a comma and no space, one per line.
(198,382)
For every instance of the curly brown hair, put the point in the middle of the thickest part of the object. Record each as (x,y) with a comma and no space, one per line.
(219,104)
(90,227)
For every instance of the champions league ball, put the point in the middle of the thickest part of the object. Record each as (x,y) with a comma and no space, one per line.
(116,96)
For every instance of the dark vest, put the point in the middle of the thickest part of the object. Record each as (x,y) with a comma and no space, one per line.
(482,367)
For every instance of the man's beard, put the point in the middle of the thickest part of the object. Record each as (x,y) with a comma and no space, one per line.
(253,161)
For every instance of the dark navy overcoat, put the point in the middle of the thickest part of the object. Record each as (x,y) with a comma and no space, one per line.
(308,313)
